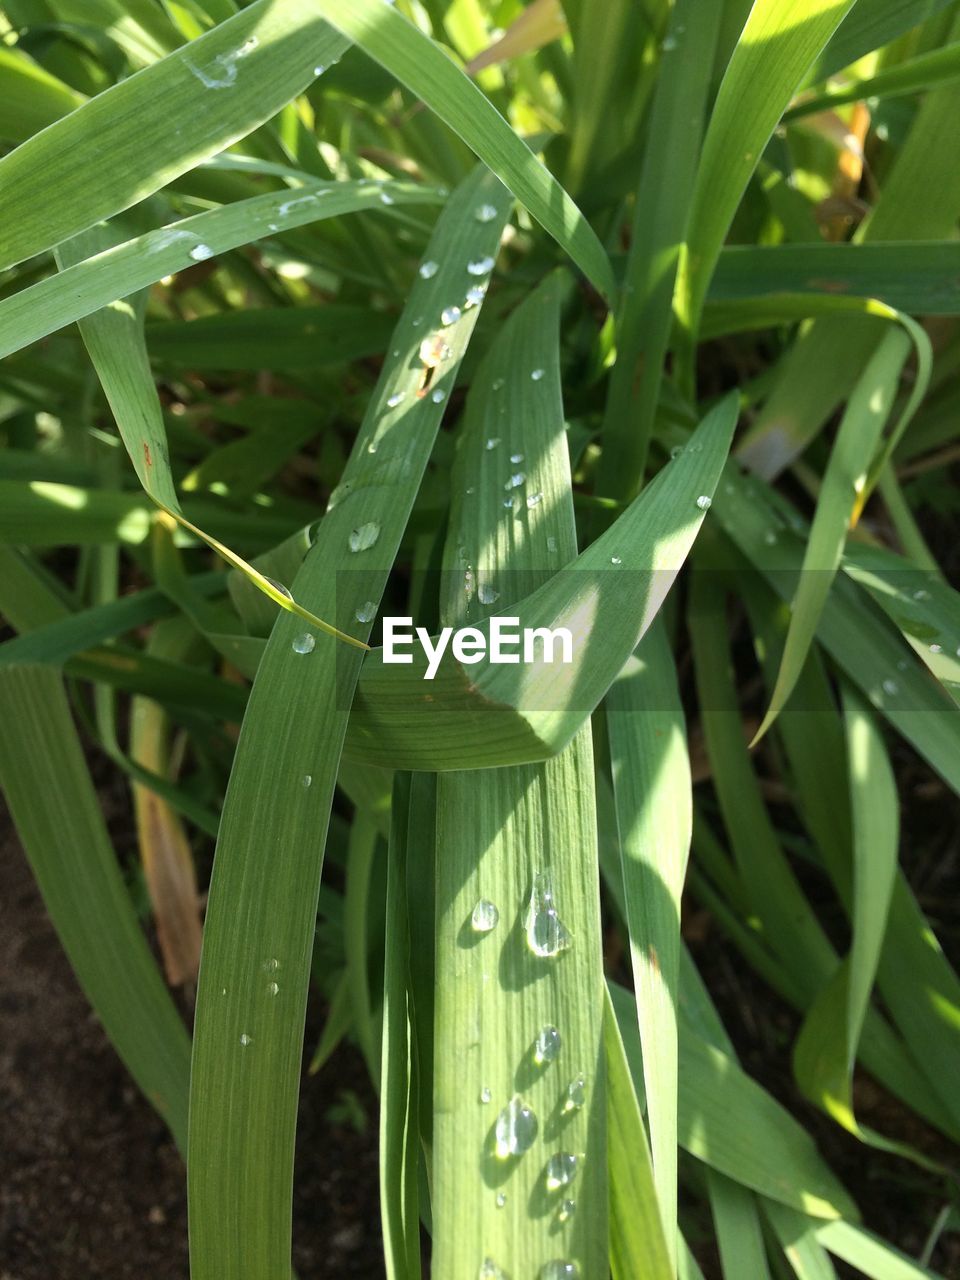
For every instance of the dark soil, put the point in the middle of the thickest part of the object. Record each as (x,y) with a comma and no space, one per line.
(90,1183)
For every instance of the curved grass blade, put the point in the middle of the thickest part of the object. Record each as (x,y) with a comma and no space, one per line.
(796,1234)
(392,40)
(531,713)
(843,492)
(870,1255)
(499,833)
(266,876)
(916,75)
(776,47)
(226,83)
(96,270)
(57,814)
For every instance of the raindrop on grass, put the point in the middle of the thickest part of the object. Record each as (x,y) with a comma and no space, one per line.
(490,1271)
(200,252)
(450,315)
(501,1199)
(364,537)
(485,916)
(395,399)
(482,266)
(307,781)
(386,198)
(891,687)
(367,611)
(559,1269)
(537,374)
(245,1040)
(516,480)
(497,384)
(516,457)
(492,442)
(486,213)
(304,643)
(576,1094)
(438,396)
(704,502)
(476,294)
(551,543)
(546,1047)
(271,965)
(273,988)
(485,1095)
(534,500)
(516,1129)
(428,270)
(615,560)
(566,1210)
(488,594)
(547,935)
(561,1170)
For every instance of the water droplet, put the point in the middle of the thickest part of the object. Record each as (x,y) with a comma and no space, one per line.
(271,965)
(490,1271)
(516,1128)
(547,935)
(508,503)
(676,451)
(891,687)
(516,480)
(367,611)
(395,399)
(669,44)
(273,988)
(386,198)
(558,1269)
(450,315)
(438,396)
(417,321)
(319,69)
(245,1040)
(364,537)
(200,252)
(516,457)
(501,1199)
(921,594)
(488,594)
(546,1047)
(704,502)
(486,213)
(493,442)
(278,586)
(485,1095)
(770,538)
(561,1170)
(936,648)
(615,560)
(576,1094)
(476,294)
(482,266)
(485,916)
(566,1210)
(551,543)
(534,500)
(307,780)
(497,384)
(428,270)
(537,374)
(304,643)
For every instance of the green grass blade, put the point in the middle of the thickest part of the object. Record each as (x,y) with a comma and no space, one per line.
(393,41)
(916,75)
(497,831)
(57,814)
(870,1255)
(653,790)
(804,1252)
(263,895)
(739,1234)
(226,83)
(779,42)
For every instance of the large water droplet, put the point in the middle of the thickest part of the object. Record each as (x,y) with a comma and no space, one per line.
(200,252)
(576,1094)
(485,916)
(561,1170)
(482,266)
(438,396)
(559,1269)
(516,457)
(304,643)
(245,1040)
(488,594)
(450,315)
(367,611)
(486,213)
(364,537)
(516,480)
(704,502)
(615,560)
(273,988)
(537,374)
(428,270)
(546,1047)
(395,399)
(516,1129)
(547,935)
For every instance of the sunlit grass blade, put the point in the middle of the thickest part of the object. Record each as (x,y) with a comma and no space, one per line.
(739,1234)
(916,75)
(519,1087)
(392,40)
(652,786)
(870,1255)
(263,895)
(226,83)
(55,808)
(807,1257)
